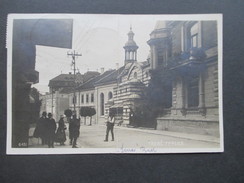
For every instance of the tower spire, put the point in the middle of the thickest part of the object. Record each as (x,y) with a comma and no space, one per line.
(130,48)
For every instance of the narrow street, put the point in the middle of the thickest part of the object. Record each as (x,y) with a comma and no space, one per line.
(93,137)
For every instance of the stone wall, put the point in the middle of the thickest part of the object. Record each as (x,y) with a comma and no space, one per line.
(198,126)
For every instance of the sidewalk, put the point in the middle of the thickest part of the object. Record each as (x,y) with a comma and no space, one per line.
(204,138)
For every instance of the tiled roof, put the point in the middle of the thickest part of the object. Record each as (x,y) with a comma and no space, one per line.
(90,84)
(67,80)
(110,78)
(90,74)
(66,90)
(63,80)
(63,77)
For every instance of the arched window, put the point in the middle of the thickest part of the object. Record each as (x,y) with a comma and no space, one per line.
(102,104)
(135,75)
(110,95)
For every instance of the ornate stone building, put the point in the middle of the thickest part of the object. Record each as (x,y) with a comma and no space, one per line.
(118,90)
(184,55)
(177,84)
(131,82)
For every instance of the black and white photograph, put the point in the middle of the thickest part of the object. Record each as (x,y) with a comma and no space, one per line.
(113,83)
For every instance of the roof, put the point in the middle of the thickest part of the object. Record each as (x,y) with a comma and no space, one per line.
(90,84)
(144,64)
(125,69)
(130,43)
(90,74)
(66,90)
(67,80)
(110,78)
(63,77)
(63,80)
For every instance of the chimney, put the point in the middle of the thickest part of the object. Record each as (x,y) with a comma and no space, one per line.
(102,70)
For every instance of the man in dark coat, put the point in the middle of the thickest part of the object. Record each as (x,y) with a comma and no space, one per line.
(50,130)
(74,130)
(40,128)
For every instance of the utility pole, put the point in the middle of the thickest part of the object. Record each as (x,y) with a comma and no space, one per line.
(74,55)
(52,100)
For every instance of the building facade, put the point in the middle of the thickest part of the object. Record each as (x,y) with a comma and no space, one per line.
(90,95)
(61,91)
(184,55)
(179,81)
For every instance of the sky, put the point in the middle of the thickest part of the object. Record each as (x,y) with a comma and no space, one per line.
(100,40)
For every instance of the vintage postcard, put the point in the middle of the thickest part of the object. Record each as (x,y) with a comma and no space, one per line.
(111,83)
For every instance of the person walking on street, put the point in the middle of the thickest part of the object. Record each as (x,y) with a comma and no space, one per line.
(74,130)
(110,126)
(60,134)
(51,128)
(40,128)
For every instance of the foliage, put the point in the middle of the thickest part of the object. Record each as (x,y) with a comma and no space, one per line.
(87,111)
(159,90)
(68,113)
(157,96)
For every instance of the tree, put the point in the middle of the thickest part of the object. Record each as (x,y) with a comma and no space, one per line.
(87,111)
(68,113)
(157,97)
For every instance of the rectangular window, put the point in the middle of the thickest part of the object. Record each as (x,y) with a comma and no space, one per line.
(194,41)
(87,98)
(193,92)
(192,36)
(74,100)
(92,97)
(82,99)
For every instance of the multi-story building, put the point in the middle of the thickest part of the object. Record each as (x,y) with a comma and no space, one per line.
(56,101)
(184,56)
(179,81)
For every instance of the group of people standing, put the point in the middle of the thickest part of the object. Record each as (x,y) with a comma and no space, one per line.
(46,129)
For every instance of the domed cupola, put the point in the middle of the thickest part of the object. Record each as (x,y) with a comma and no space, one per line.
(130,48)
